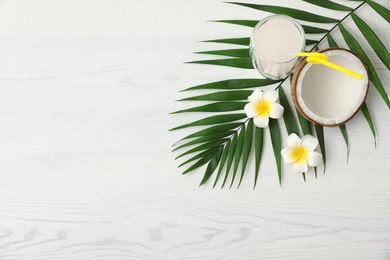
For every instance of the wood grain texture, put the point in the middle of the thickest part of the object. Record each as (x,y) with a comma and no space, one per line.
(86,169)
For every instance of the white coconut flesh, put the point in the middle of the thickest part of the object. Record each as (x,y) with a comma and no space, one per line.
(328,96)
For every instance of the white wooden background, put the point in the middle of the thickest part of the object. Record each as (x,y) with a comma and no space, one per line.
(86,169)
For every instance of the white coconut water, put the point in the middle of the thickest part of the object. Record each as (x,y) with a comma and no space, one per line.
(273,41)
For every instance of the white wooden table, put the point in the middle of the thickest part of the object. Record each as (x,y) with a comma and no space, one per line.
(86,169)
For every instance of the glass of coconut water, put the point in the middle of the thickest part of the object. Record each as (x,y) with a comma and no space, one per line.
(273,43)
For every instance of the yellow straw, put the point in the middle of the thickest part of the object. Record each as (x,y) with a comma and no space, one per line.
(320,58)
(312,54)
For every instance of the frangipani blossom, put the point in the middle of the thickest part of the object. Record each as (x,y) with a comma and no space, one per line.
(300,152)
(262,106)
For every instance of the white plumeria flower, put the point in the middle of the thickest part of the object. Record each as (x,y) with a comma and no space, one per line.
(262,106)
(300,152)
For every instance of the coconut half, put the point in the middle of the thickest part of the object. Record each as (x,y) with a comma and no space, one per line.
(326,96)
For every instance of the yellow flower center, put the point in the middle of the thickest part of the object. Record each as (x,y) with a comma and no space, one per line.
(299,154)
(263,108)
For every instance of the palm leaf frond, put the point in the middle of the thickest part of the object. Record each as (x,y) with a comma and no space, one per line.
(295,13)
(235,84)
(238,41)
(246,148)
(313,30)
(230,156)
(238,153)
(276,141)
(215,107)
(228,142)
(205,139)
(381,10)
(306,126)
(213,130)
(213,120)
(211,166)
(288,116)
(376,44)
(311,42)
(258,151)
(223,161)
(200,155)
(249,23)
(205,159)
(205,146)
(344,132)
(238,53)
(331,42)
(321,141)
(329,5)
(236,95)
(367,115)
(235,63)
(357,48)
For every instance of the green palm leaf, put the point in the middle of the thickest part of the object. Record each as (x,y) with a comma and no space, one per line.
(310,42)
(215,107)
(213,130)
(223,160)
(355,47)
(237,156)
(204,139)
(343,130)
(367,115)
(235,84)
(249,23)
(252,23)
(288,116)
(236,95)
(204,146)
(239,41)
(373,40)
(230,156)
(321,140)
(258,151)
(332,43)
(200,155)
(313,30)
(236,63)
(329,5)
(295,13)
(212,120)
(246,149)
(238,53)
(276,141)
(211,167)
(381,10)
(305,124)
(199,163)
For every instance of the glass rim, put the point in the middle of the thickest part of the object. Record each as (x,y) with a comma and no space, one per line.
(290,19)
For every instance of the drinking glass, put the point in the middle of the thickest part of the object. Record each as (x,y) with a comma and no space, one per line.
(273,43)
